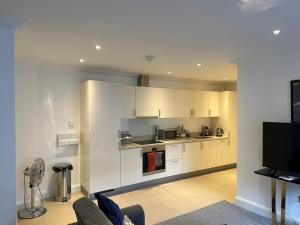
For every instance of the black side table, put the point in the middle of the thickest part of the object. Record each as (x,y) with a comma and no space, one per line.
(278,175)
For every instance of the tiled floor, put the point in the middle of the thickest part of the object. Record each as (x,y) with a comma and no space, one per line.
(160,202)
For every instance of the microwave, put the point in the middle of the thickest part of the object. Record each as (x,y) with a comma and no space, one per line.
(164,134)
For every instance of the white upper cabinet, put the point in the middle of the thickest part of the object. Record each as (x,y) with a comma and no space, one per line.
(214,103)
(146,102)
(165,103)
(183,103)
(206,104)
(127,101)
(200,103)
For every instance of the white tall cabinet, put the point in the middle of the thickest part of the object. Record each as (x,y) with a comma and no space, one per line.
(228,121)
(100,125)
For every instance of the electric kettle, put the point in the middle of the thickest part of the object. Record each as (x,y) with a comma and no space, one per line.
(219,132)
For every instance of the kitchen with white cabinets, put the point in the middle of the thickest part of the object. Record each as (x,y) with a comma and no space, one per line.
(108,109)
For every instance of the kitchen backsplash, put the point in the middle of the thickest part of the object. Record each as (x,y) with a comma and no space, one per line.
(145,126)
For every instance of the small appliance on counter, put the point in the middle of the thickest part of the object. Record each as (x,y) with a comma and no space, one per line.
(164,134)
(205,131)
(219,132)
(125,137)
(182,133)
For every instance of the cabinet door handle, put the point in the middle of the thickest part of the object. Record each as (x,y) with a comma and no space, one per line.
(209,112)
(134,113)
(159,113)
(228,133)
(174,160)
(228,142)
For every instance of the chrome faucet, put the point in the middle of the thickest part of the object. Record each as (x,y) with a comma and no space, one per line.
(156,128)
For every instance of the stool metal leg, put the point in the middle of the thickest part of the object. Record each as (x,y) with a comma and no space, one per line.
(283,195)
(274,222)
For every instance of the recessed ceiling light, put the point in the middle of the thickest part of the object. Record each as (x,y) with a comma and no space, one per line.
(98,47)
(276,32)
(169,72)
(199,64)
(81,60)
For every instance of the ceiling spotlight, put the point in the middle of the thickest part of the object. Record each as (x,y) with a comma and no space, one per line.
(81,60)
(169,72)
(98,47)
(199,64)
(276,32)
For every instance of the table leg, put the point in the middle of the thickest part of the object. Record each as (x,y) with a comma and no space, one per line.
(283,195)
(274,219)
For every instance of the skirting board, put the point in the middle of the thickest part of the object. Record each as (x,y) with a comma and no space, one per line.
(257,208)
(74,188)
(158,181)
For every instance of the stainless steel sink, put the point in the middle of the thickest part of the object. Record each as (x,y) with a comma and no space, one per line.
(148,142)
(204,137)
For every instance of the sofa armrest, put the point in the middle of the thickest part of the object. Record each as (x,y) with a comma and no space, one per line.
(135,213)
(88,213)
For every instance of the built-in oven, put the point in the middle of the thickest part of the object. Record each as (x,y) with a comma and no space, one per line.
(165,134)
(154,159)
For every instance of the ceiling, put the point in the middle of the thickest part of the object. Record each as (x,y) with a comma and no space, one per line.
(178,33)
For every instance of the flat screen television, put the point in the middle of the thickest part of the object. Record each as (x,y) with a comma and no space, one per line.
(281,146)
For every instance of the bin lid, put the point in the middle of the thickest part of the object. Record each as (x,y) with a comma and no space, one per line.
(62,166)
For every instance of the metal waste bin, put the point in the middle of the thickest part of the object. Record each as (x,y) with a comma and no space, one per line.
(63,181)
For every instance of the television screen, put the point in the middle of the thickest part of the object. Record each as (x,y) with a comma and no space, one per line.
(281,146)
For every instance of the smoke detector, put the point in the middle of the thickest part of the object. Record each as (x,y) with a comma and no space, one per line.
(149,58)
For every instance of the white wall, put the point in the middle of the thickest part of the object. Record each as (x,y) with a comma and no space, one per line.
(47,97)
(7,129)
(263,95)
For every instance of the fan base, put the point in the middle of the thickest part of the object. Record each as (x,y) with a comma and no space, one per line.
(30,214)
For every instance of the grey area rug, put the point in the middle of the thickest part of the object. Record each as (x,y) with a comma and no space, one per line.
(222,213)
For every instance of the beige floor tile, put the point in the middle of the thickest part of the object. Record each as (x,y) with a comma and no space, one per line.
(160,202)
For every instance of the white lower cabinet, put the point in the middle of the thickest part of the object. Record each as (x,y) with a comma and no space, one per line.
(174,159)
(232,151)
(174,167)
(208,154)
(222,152)
(191,157)
(174,151)
(131,166)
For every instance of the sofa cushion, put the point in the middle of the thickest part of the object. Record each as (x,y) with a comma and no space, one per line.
(110,209)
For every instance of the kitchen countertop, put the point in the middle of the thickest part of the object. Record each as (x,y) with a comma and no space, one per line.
(169,142)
